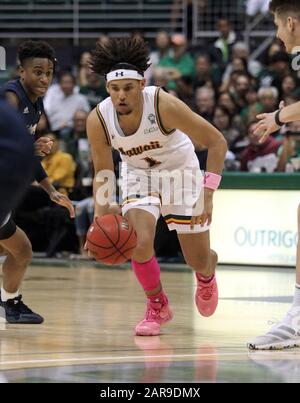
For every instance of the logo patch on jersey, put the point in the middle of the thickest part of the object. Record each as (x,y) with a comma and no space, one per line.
(151,130)
(141,149)
(26,110)
(152,118)
(32,129)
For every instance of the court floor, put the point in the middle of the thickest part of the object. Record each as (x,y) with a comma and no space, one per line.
(90,314)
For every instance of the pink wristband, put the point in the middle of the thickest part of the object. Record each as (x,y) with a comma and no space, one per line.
(211,180)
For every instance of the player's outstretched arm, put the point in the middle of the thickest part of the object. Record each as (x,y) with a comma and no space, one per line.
(270,123)
(103,164)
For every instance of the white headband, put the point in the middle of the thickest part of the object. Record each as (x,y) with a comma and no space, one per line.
(123,74)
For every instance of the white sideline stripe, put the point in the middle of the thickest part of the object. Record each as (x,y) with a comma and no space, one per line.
(140,357)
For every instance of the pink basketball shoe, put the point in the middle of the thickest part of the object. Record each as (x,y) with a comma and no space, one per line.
(156,315)
(206,296)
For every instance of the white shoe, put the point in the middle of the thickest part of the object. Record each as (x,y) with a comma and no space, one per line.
(285,334)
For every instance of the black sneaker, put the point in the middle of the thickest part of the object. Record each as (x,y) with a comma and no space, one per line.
(15,311)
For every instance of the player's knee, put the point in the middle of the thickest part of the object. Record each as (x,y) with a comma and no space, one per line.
(24,255)
(144,245)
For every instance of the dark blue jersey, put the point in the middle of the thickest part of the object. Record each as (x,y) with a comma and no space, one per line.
(31,114)
(16,159)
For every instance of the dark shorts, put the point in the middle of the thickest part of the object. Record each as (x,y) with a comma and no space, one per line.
(8,229)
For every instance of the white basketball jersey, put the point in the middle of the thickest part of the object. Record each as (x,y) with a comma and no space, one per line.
(150,147)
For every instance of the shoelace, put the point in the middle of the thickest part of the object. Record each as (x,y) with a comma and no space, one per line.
(19,304)
(206,290)
(153,310)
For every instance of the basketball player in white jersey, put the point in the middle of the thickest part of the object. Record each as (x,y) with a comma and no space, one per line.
(152,131)
(287,19)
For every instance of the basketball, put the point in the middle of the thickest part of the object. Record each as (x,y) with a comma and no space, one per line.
(112,239)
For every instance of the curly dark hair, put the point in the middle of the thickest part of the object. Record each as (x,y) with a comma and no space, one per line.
(284,6)
(118,53)
(29,49)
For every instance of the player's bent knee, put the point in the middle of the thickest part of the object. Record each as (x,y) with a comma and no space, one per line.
(24,255)
(144,246)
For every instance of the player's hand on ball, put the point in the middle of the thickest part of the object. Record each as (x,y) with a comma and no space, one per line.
(64,201)
(90,254)
(114,209)
(43,146)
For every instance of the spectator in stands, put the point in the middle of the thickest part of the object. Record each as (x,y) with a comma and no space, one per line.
(71,143)
(279,66)
(227,100)
(239,89)
(238,65)
(241,50)
(180,63)
(160,77)
(60,167)
(223,121)
(289,86)
(289,152)
(161,50)
(253,107)
(206,73)
(226,40)
(260,157)
(94,90)
(185,90)
(60,110)
(84,69)
(276,46)
(205,102)
(268,98)
(162,47)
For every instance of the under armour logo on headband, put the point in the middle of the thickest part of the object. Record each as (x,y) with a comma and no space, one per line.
(123,75)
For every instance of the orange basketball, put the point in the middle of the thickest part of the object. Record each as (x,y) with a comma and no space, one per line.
(112,239)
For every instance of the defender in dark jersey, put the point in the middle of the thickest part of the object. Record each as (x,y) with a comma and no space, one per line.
(16,162)
(37,62)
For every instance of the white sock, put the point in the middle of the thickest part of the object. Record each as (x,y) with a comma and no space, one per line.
(296,301)
(8,295)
